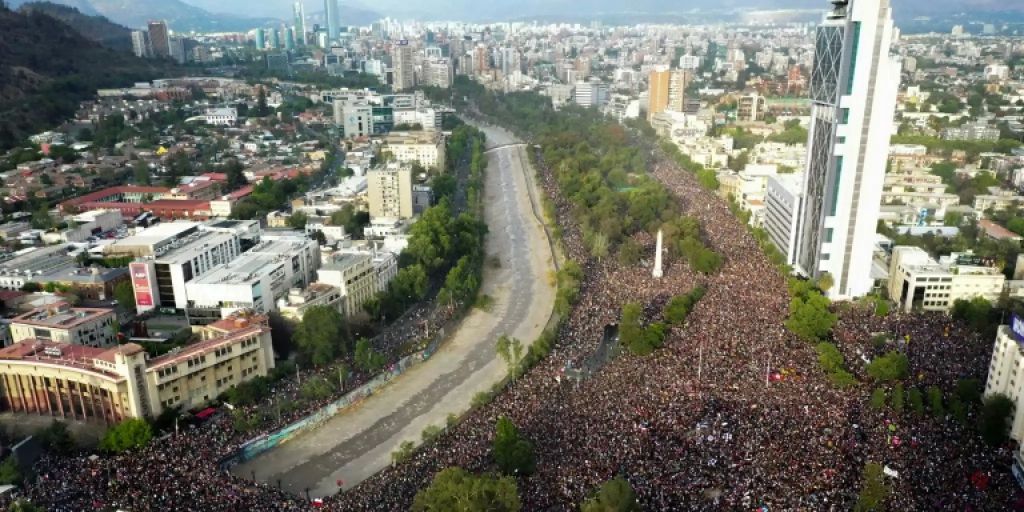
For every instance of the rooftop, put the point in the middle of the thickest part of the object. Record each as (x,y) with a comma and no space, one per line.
(231,329)
(158,233)
(78,357)
(61,315)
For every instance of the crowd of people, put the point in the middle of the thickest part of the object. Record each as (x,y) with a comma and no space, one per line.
(732,413)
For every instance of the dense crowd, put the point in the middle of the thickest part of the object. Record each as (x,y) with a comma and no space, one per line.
(732,414)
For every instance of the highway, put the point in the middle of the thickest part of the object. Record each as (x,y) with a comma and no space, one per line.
(358,442)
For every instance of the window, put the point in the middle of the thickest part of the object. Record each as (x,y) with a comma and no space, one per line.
(844,116)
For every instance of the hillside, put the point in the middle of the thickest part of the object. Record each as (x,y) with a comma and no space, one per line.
(47,68)
(180,16)
(94,27)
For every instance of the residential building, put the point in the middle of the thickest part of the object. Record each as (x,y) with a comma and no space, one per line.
(61,323)
(783,205)
(751,107)
(996,200)
(389,191)
(438,73)
(426,148)
(404,70)
(1006,374)
(591,93)
(299,300)
(141,46)
(222,116)
(979,130)
(657,92)
(853,87)
(354,275)
(919,283)
(159,39)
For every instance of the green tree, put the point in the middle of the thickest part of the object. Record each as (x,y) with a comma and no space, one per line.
(874,490)
(898,398)
(992,423)
(935,402)
(889,367)
(140,173)
(321,336)
(366,359)
(457,490)
(969,390)
(615,495)
(24,506)
(810,319)
(513,454)
(125,295)
(510,350)
(235,173)
(56,438)
(129,434)
(877,398)
(297,220)
(916,399)
(10,473)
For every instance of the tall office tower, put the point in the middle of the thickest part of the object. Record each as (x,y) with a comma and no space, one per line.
(299,12)
(289,38)
(261,39)
(657,92)
(140,44)
(275,39)
(401,62)
(331,13)
(159,38)
(853,89)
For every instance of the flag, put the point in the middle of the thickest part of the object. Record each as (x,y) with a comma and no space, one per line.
(318,502)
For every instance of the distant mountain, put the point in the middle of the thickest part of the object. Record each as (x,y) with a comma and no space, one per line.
(93,27)
(350,12)
(47,68)
(180,16)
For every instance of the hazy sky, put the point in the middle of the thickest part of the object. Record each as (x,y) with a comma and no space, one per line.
(508,9)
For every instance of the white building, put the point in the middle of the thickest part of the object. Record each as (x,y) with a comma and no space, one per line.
(918,282)
(426,148)
(853,89)
(404,70)
(221,116)
(62,323)
(354,275)
(1006,373)
(299,300)
(783,205)
(591,93)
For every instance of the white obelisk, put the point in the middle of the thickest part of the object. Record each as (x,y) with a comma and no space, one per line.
(657,273)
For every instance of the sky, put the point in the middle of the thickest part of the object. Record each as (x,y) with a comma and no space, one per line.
(508,9)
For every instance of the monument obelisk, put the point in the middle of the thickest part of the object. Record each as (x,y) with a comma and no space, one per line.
(657,273)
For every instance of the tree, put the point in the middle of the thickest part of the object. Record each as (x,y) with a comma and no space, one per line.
(995,411)
(510,350)
(877,398)
(825,282)
(810,319)
(874,490)
(297,220)
(916,401)
(235,175)
(129,434)
(457,490)
(24,506)
(615,495)
(10,473)
(282,331)
(513,454)
(56,438)
(125,295)
(140,173)
(366,359)
(935,402)
(321,336)
(889,367)
(898,398)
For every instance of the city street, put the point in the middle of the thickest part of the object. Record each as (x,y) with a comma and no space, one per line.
(359,442)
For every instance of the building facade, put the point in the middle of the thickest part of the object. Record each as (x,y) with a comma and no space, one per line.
(919,283)
(389,191)
(61,323)
(853,89)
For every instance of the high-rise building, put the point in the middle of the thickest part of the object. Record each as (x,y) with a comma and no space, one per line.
(331,13)
(402,63)
(299,13)
(289,38)
(678,80)
(260,39)
(657,92)
(389,191)
(159,38)
(275,39)
(141,46)
(853,87)
(177,49)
